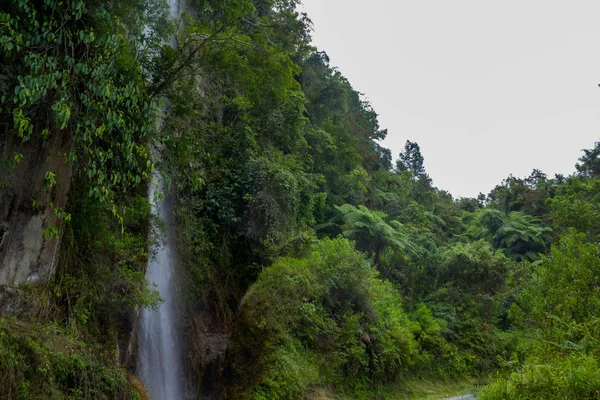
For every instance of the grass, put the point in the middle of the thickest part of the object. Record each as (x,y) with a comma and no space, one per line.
(411,390)
(431,390)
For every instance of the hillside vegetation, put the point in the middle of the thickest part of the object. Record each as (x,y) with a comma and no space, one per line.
(339,270)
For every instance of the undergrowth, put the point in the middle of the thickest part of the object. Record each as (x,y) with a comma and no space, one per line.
(562,377)
(43,361)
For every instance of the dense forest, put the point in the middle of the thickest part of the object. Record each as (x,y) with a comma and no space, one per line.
(311,262)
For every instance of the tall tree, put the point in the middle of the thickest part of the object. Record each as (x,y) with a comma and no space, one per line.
(590,162)
(411,159)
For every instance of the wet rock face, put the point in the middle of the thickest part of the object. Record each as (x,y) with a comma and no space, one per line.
(208,340)
(28,206)
(214,345)
(12,302)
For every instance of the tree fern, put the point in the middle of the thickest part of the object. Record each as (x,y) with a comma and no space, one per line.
(521,235)
(371,231)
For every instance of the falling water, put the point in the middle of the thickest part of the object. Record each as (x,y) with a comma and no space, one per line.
(160,351)
(160,341)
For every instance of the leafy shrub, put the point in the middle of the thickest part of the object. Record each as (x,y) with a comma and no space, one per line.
(292,370)
(436,354)
(43,362)
(566,282)
(469,278)
(331,303)
(561,378)
(560,294)
(474,267)
(559,297)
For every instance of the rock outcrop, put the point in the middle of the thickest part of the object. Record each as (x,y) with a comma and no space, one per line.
(34,183)
(12,302)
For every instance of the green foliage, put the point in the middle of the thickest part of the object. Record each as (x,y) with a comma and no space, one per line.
(44,362)
(577,205)
(100,279)
(246,154)
(526,195)
(563,291)
(66,67)
(571,378)
(292,371)
(371,232)
(262,143)
(275,199)
(558,296)
(438,357)
(474,267)
(72,76)
(341,134)
(330,303)
(468,280)
(519,234)
(411,160)
(590,162)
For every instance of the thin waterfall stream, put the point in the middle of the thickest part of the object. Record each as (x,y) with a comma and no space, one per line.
(160,358)
(161,342)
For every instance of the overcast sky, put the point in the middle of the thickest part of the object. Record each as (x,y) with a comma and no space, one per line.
(487,88)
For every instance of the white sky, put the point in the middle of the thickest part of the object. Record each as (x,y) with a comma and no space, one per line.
(487,88)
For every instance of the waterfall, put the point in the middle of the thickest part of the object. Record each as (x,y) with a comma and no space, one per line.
(161,342)
(160,355)
(174,9)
